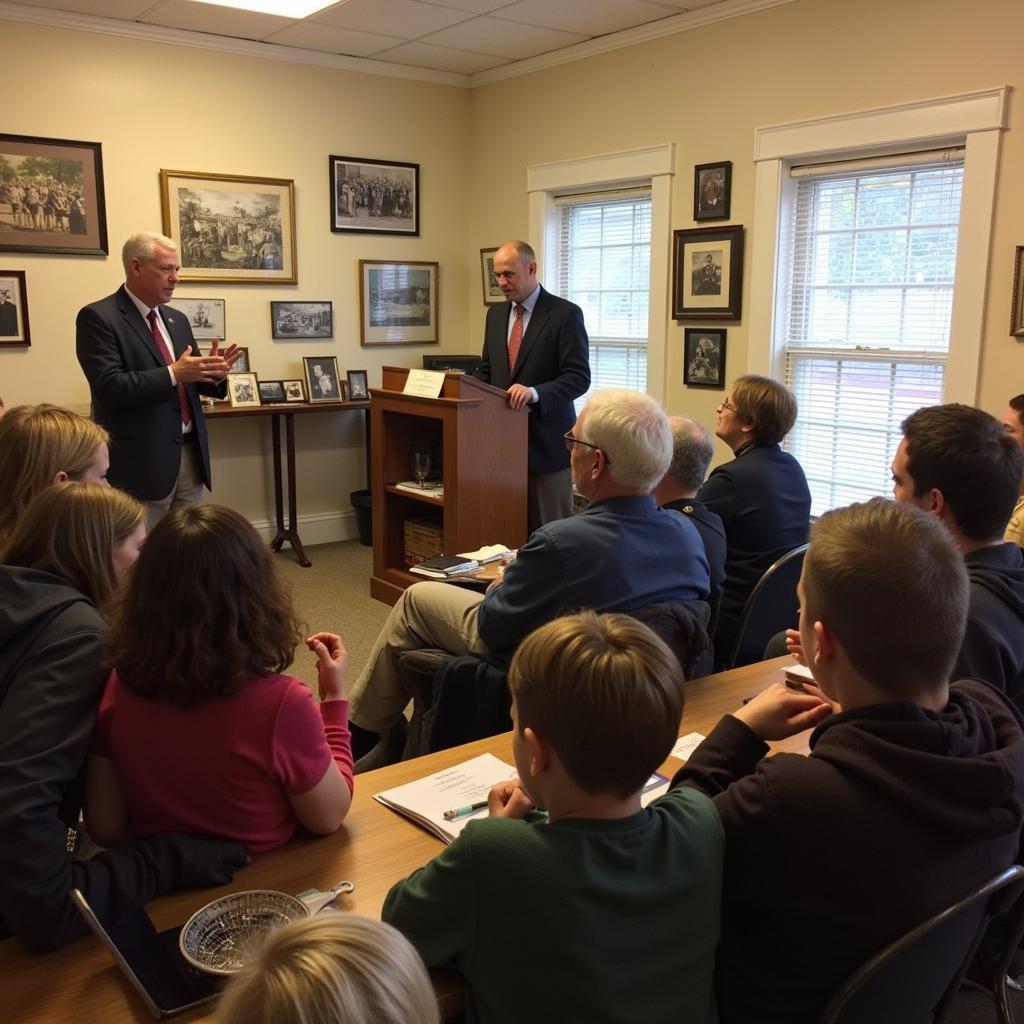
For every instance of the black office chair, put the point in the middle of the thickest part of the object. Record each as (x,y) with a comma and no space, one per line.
(916,978)
(771,607)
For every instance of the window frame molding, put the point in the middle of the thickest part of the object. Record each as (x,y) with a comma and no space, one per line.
(974,120)
(653,165)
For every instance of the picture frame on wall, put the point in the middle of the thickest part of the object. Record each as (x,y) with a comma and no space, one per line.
(271,392)
(704,357)
(231,227)
(14,330)
(1017,311)
(243,390)
(291,321)
(206,317)
(294,390)
(243,364)
(707,273)
(492,293)
(374,197)
(358,388)
(322,378)
(398,303)
(53,189)
(712,190)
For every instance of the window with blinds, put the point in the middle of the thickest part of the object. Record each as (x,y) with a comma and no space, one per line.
(604,266)
(866,303)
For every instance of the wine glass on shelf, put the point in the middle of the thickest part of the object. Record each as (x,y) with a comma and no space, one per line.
(421,466)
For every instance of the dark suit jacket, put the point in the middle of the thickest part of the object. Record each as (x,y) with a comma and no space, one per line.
(554,359)
(132,394)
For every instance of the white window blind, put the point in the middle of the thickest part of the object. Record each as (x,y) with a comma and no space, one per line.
(604,266)
(867,296)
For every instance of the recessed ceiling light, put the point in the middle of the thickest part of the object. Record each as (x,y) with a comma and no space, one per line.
(284,8)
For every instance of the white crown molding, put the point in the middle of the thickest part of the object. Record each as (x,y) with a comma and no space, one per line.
(629,37)
(603,168)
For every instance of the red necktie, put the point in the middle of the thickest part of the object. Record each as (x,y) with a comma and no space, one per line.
(515,339)
(186,411)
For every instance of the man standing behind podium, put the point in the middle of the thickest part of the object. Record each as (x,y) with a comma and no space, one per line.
(536,348)
(145,374)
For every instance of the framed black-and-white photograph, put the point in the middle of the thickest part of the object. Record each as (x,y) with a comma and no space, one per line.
(230,227)
(242,364)
(1017,313)
(243,390)
(398,303)
(374,197)
(712,190)
(294,390)
(206,317)
(14,310)
(271,392)
(492,293)
(296,320)
(322,378)
(704,357)
(51,196)
(358,389)
(707,273)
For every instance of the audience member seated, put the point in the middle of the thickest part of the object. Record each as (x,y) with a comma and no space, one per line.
(912,793)
(42,445)
(622,552)
(761,496)
(61,567)
(691,456)
(603,909)
(332,969)
(1014,426)
(957,463)
(198,729)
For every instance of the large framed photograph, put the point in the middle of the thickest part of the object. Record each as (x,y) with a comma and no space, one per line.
(492,293)
(51,196)
(231,228)
(358,389)
(206,317)
(398,303)
(294,320)
(704,357)
(243,390)
(294,390)
(712,190)
(322,378)
(374,197)
(707,273)
(1017,313)
(14,310)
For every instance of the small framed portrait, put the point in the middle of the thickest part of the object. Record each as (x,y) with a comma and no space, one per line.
(712,190)
(205,317)
(398,303)
(271,392)
(301,320)
(704,357)
(1017,313)
(492,293)
(242,363)
(14,309)
(707,273)
(322,378)
(294,390)
(374,197)
(358,390)
(243,391)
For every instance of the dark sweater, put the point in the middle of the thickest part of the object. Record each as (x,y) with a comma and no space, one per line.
(896,813)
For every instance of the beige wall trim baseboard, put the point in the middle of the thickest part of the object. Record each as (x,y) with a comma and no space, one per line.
(317,528)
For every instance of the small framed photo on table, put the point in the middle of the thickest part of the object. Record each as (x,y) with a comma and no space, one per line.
(243,392)
(358,390)
(704,357)
(322,378)
(271,392)
(294,390)
(13,309)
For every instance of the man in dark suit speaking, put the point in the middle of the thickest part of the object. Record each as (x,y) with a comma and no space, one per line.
(536,348)
(145,374)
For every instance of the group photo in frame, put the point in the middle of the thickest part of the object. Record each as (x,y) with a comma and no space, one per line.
(243,390)
(294,390)
(206,317)
(375,197)
(398,303)
(271,392)
(51,196)
(14,309)
(322,378)
(297,320)
(707,273)
(231,227)
(358,388)
(712,190)
(1017,311)
(704,357)
(492,292)
(242,363)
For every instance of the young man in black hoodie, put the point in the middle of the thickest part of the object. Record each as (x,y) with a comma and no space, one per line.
(912,793)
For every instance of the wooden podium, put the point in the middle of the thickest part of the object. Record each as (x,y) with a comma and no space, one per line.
(481,443)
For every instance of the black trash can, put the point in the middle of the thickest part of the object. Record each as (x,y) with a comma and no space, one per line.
(362,502)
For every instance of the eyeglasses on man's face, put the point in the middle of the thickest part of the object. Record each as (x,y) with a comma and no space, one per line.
(570,441)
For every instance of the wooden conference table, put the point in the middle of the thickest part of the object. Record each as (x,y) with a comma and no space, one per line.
(374,848)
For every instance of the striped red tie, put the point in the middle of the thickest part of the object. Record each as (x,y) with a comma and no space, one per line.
(186,411)
(515,339)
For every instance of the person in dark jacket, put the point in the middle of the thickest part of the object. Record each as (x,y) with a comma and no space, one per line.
(761,496)
(60,569)
(913,793)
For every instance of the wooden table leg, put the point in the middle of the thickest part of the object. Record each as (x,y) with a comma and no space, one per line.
(293,511)
(275,445)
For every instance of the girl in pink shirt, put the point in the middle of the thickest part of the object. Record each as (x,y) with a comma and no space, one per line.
(199,731)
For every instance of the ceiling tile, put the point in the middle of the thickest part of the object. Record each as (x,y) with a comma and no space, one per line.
(474,6)
(314,36)
(221,21)
(124,9)
(688,5)
(404,18)
(440,58)
(503,38)
(589,17)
